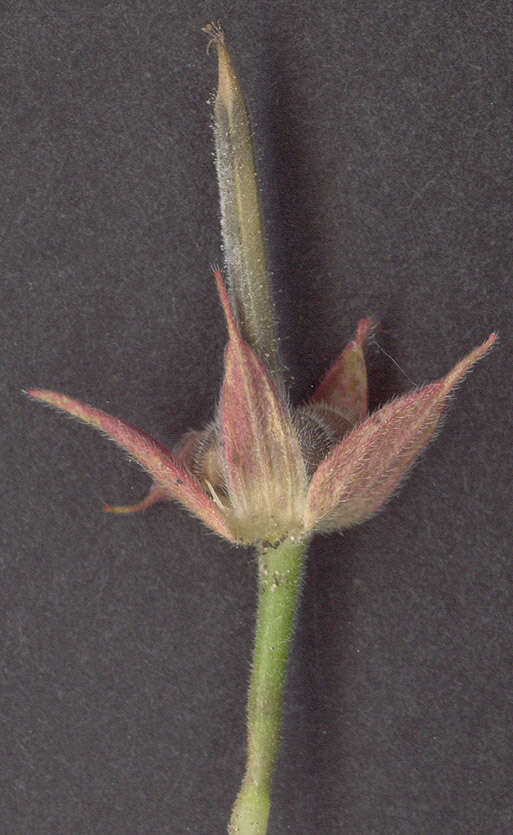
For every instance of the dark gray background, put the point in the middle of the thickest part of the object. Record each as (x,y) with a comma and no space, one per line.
(385,160)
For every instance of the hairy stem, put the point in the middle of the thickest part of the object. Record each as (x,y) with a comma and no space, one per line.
(280,572)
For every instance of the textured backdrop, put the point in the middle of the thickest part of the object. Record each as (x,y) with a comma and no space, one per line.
(385,158)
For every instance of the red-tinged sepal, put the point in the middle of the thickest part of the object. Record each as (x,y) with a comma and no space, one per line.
(167,471)
(361,473)
(264,470)
(183,452)
(344,387)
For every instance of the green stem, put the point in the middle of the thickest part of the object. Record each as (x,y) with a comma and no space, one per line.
(280,572)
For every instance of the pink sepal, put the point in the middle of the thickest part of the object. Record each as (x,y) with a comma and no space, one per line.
(361,473)
(165,468)
(264,469)
(344,387)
